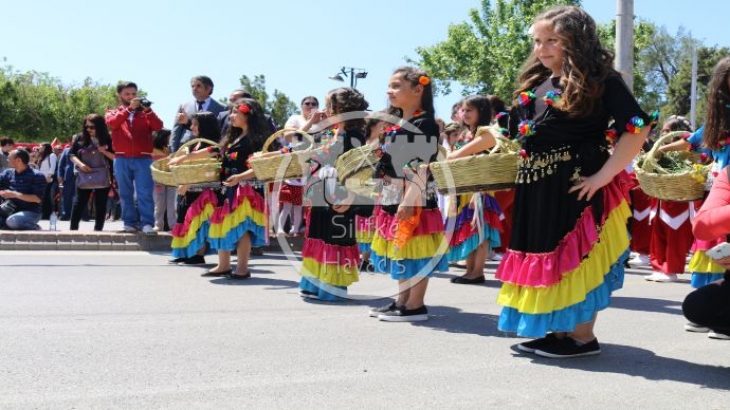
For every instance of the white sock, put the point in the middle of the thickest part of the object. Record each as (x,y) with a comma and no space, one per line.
(296,218)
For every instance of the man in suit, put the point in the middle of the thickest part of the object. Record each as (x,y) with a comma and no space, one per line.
(202,88)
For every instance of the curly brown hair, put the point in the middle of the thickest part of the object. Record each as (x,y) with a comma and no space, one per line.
(347,99)
(717,124)
(586,63)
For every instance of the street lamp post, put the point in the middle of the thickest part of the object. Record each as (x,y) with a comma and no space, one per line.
(352,72)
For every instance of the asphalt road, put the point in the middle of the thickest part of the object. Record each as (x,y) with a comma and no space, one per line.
(125,330)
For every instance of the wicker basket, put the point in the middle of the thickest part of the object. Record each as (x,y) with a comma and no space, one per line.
(355,168)
(197,171)
(661,183)
(358,160)
(285,166)
(161,172)
(484,172)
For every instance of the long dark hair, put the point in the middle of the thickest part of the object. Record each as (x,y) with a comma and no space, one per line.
(413,76)
(499,106)
(46,151)
(370,122)
(258,128)
(483,107)
(161,139)
(102,132)
(718,116)
(586,63)
(208,126)
(346,99)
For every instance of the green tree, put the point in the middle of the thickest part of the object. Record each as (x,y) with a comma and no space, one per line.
(485,54)
(38,107)
(644,33)
(678,91)
(280,107)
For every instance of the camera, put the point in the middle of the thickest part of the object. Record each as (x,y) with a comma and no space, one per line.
(144,103)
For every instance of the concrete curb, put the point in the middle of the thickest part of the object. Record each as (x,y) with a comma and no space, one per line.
(101,241)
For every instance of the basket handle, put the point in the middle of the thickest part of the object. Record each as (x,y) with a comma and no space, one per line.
(283,131)
(664,140)
(193,141)
(653,155)
(501,142)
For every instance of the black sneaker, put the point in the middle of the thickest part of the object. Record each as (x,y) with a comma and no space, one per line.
(567,347)
(195,260)
(375,312)
(404,315)
(308,295)
(176,261)
(538,344)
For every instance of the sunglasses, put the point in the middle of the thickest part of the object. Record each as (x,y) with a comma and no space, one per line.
(311,104)
(89,127)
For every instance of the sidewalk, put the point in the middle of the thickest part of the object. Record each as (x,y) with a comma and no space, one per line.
(86,239)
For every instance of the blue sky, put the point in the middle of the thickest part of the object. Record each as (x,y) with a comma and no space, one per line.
(160,44)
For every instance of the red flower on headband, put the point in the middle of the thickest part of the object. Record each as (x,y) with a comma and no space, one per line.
(244,109)
(423,80)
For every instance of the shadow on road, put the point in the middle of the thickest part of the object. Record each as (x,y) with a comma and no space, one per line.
(452,320)
(671,307)
(634,361)
(491,282)
(272,284)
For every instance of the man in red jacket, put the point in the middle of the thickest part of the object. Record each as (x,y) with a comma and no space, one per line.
(131,125)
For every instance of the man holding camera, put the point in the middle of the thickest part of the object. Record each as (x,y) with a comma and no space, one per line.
(131,125)
(21,190)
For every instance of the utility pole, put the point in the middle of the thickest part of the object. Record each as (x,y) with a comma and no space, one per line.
(625,41)
(693,91)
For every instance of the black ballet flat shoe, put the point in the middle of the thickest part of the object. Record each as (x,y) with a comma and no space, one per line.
(465,281)
(211,274)
(234,276)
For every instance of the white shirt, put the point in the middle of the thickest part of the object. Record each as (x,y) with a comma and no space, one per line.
(295,121)
(48,166)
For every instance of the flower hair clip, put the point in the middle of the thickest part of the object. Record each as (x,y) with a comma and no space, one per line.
(424,80)
(244,109)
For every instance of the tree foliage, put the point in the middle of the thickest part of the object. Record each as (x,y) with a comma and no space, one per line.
(279,106)
(645,84)
(485,53)
(37,107)
(678,90)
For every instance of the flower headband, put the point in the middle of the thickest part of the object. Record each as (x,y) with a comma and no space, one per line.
(244,109)
(424,80)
